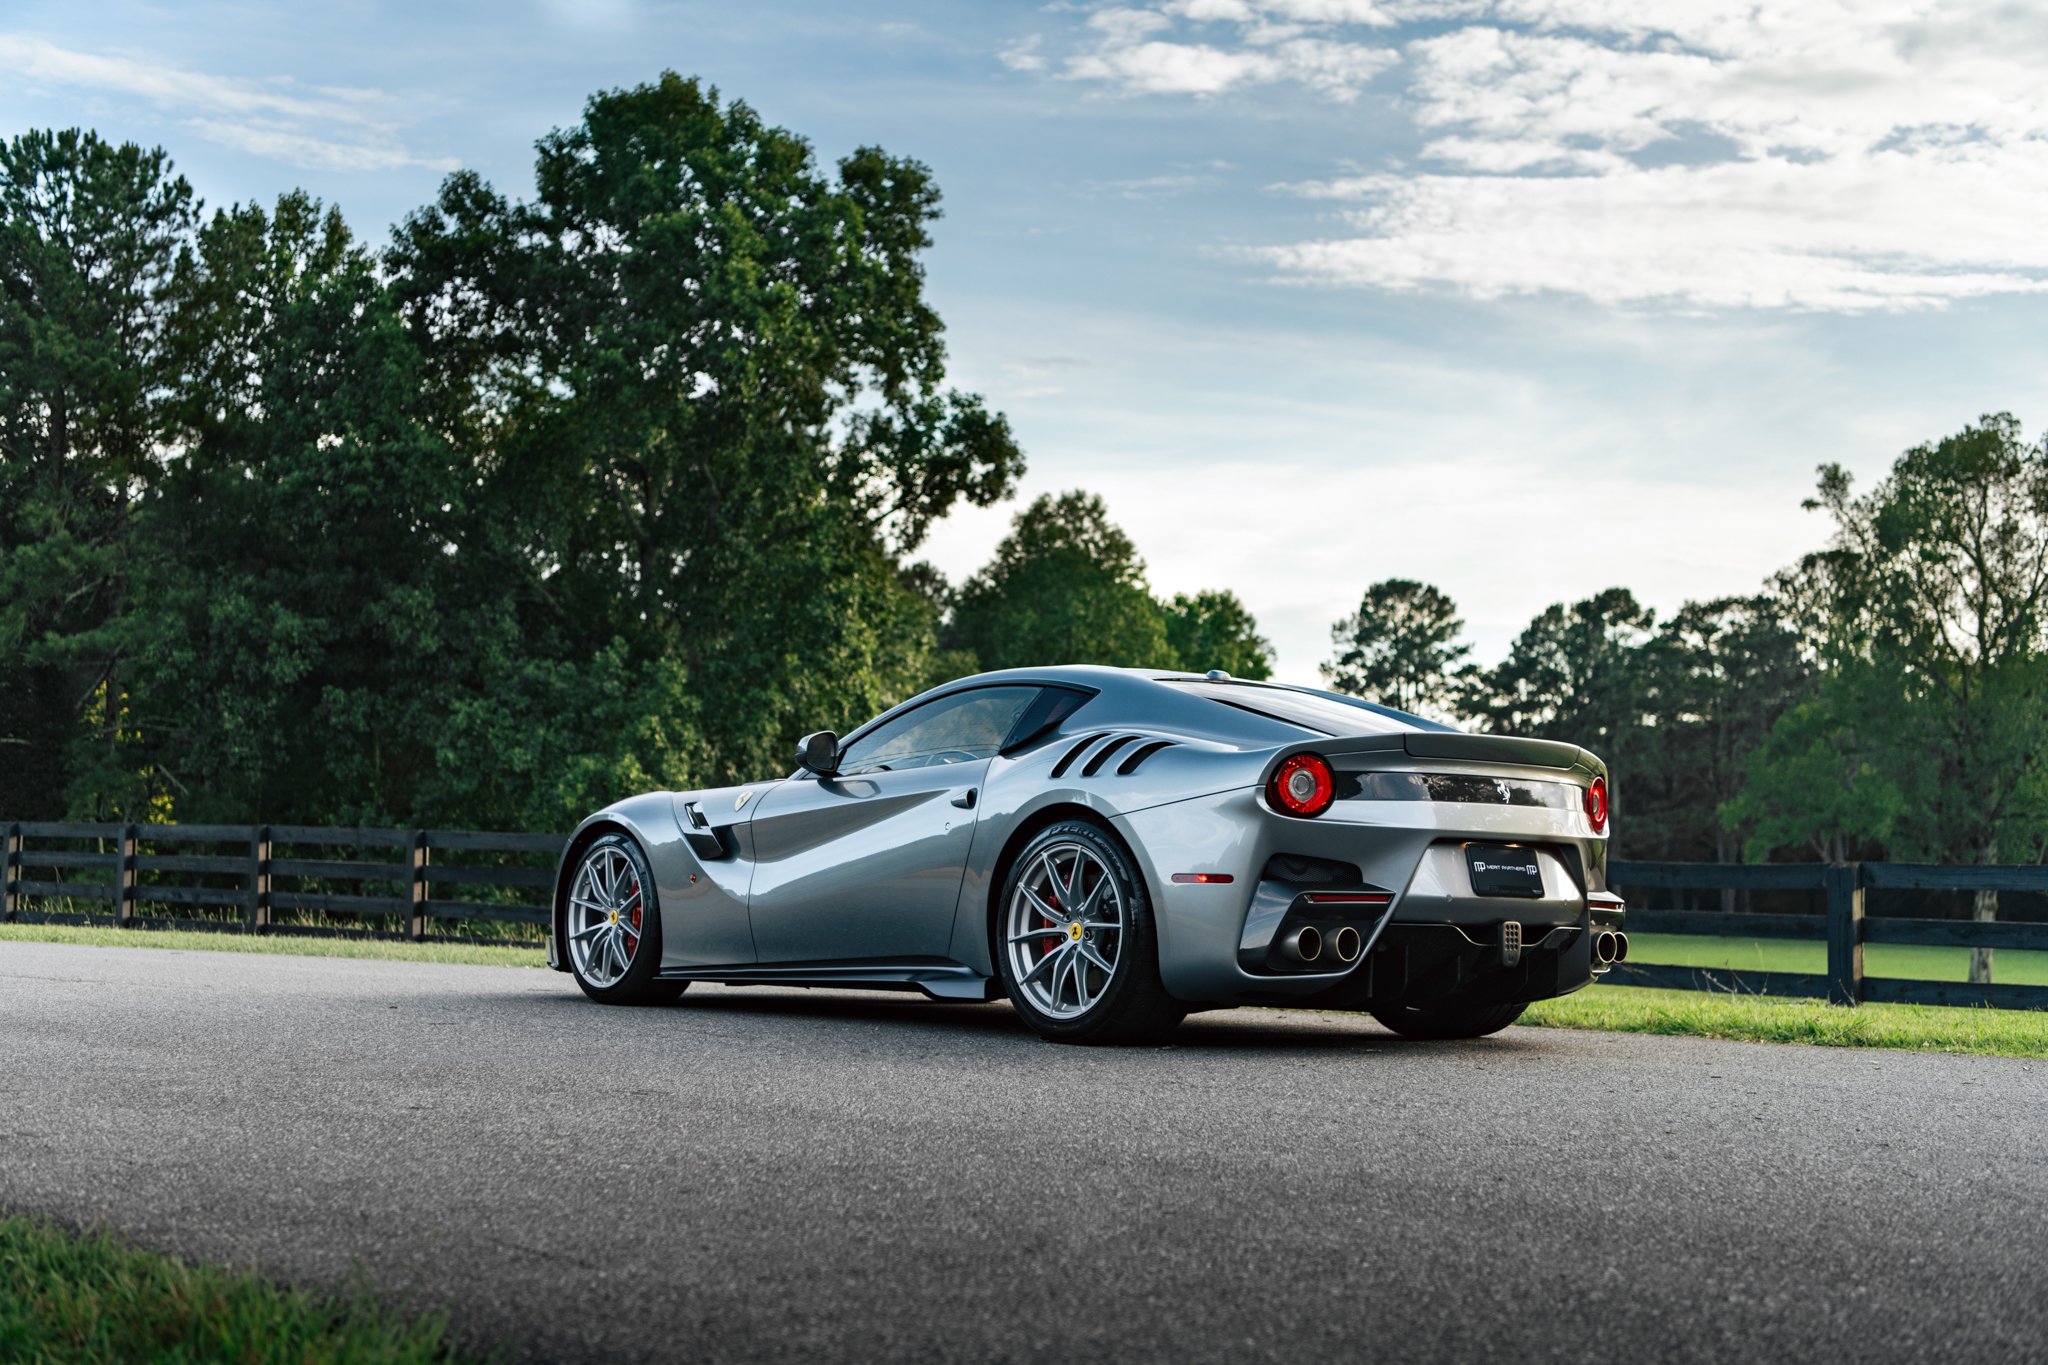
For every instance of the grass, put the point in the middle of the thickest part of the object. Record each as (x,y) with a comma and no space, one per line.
(91,1298)
(1763,1019)
(2016,966)
(388,949)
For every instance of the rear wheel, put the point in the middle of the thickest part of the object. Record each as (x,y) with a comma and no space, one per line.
(1449,1018)
(1076,943)
(613,926)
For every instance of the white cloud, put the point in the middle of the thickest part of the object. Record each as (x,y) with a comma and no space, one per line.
(1880,230)
(1167,48)
(1842,155)
(1023,55)
(314,127)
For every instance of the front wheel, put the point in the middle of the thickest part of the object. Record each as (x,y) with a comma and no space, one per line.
(1448,1019)
(1076,944)
(613,926)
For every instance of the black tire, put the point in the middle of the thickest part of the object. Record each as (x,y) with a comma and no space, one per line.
(1133,1007)
(1452,1018)
(638,985)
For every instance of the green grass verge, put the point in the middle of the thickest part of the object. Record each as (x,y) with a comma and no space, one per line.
(1762,1019)
(2015,966)
(394,950)
(91,1298)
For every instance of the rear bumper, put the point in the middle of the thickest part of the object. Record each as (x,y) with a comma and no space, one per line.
(1224,942)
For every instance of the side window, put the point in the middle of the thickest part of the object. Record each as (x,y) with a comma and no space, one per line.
(956,729)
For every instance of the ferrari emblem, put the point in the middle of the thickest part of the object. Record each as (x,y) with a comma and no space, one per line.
(741,804)
(1074,931)
(615,917)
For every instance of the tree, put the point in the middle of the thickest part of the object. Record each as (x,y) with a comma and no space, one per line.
(1401,648)
(1213,629)
(1066,586)
(89,234)
(1721,673)
(1812,784)
(1575,673)
(1939,604)
(1582,674)
(340,634)
(708,394)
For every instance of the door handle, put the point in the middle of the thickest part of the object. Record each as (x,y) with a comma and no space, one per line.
(965,800)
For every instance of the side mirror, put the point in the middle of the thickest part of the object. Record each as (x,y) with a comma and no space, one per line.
(819,753)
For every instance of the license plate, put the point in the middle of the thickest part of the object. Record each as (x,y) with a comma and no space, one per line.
(1502,870)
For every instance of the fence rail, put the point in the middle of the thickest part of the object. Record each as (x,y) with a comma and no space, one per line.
(394,884)
(1842,923)
(391,881)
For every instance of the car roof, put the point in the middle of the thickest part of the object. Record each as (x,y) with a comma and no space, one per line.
(1131,685)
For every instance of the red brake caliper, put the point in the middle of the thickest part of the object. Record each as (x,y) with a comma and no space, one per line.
(633,920)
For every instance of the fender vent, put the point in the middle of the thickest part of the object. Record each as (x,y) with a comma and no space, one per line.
(1059,769)
(1139,755)
(1094,765)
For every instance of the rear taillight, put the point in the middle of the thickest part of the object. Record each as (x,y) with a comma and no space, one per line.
(1302,785)
(1596,804)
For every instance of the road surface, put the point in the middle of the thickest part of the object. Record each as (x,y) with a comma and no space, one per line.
(781,1175)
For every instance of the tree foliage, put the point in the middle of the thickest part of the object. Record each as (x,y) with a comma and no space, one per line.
(547,502)
(89,240)
(1401,648)
(1940,580)
(706,377)
(1065,586)
(1214,629)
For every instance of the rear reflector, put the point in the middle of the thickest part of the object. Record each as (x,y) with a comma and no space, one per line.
(1373,898)
(1203,878)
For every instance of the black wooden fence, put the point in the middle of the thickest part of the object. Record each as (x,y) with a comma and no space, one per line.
(1842,923)
(276,878)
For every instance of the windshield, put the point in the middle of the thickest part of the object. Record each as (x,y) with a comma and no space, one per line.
(1324,713)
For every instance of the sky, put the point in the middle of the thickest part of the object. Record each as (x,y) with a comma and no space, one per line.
(1521,299)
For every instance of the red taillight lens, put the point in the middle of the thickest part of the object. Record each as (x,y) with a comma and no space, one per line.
(1596,804)
(1302,785)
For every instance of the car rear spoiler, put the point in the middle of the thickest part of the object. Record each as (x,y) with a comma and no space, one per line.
(1537,753)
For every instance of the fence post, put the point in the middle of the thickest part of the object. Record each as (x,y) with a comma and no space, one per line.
(10,873)
(259,880)
(124,904)
(1844,883)
(417,886)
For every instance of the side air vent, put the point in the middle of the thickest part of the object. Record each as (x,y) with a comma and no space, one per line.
(1059,769)
(1101,756)
(1139,755)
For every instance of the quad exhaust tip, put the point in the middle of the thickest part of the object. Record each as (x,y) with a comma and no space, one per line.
(1346,945)
(1304,944)
(1610,947)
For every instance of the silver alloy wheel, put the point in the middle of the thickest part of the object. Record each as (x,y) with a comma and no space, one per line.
(606,914)
(1065,930)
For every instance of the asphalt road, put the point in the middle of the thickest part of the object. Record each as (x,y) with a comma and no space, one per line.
(788,1175)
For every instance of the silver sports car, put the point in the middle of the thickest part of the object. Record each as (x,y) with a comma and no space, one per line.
(1113,849)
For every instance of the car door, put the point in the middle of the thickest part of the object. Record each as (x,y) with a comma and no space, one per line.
(867,864)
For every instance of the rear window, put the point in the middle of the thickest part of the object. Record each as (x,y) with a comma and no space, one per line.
(1315,711)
